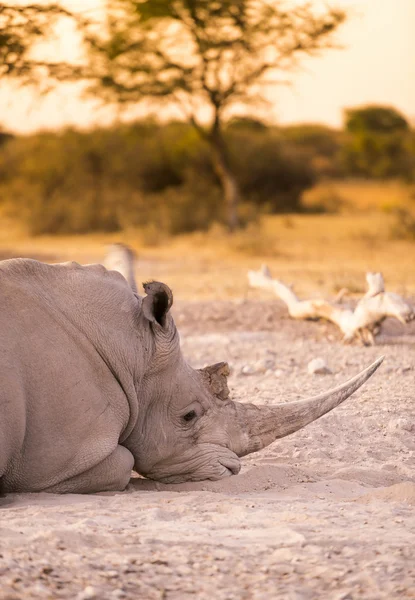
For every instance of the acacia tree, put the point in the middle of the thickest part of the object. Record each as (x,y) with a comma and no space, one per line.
(21,27)
(205,55)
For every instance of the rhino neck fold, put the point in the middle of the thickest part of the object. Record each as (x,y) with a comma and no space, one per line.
(259,426)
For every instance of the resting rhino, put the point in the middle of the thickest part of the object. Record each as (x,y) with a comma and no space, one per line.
(94,384)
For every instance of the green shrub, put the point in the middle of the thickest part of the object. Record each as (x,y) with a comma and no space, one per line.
(272,175)
(379,144)
(143,175)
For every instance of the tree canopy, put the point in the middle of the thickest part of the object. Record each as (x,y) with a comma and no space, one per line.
(21,26)
(205,56)
(379,143)
(216,52)
(375,119)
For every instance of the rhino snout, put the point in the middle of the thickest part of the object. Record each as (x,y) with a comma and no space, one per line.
(206,461)
(231,466)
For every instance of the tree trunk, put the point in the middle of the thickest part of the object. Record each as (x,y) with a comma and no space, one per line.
(229,184)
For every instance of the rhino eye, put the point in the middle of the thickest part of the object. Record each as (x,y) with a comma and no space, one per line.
(190,416)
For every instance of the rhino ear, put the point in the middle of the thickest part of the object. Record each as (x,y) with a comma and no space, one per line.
(158,301)
(216,378)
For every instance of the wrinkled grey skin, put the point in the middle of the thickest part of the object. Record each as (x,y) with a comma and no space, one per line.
(94,384)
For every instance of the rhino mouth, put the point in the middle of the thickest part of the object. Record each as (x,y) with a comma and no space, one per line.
(211,464)
(231,467)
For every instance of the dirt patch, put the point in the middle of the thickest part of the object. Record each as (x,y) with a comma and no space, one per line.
(325,513)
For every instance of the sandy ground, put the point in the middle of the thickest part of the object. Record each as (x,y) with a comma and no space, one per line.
(326,513)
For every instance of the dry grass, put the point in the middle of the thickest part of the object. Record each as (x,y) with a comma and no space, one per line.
(320,253)
(359,196)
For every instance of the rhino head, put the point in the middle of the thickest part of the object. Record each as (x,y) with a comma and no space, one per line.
(188,428)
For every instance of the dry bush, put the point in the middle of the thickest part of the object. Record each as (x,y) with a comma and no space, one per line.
(328,200)
(254,241)
(140,175)
(403,227)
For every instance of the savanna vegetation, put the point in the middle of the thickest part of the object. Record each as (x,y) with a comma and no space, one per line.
(194,174)
(161,178)
(22,26)
(202,57)
(144,174)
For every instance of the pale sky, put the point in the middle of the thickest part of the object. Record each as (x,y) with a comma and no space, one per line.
(377,65)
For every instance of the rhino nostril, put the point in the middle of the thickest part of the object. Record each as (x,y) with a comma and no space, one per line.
(233,466)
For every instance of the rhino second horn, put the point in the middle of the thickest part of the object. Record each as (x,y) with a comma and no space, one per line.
(259,426)
(215,377)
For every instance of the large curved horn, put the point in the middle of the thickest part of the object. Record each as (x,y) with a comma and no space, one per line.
(259,426)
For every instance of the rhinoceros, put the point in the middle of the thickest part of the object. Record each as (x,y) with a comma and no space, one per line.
(94,385)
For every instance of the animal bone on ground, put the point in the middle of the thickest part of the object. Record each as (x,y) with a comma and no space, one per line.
(363,322)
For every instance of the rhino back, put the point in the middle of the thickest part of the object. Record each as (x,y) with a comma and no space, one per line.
(62,410)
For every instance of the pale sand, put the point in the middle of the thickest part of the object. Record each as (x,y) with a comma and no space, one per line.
(327,513)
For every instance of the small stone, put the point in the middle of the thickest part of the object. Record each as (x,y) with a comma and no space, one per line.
(264,365)
(111,574)
(248,370)
(278,373)
(89,593)
(282,555)
(348,551)
(318,366)
(401,423)
(183,571)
